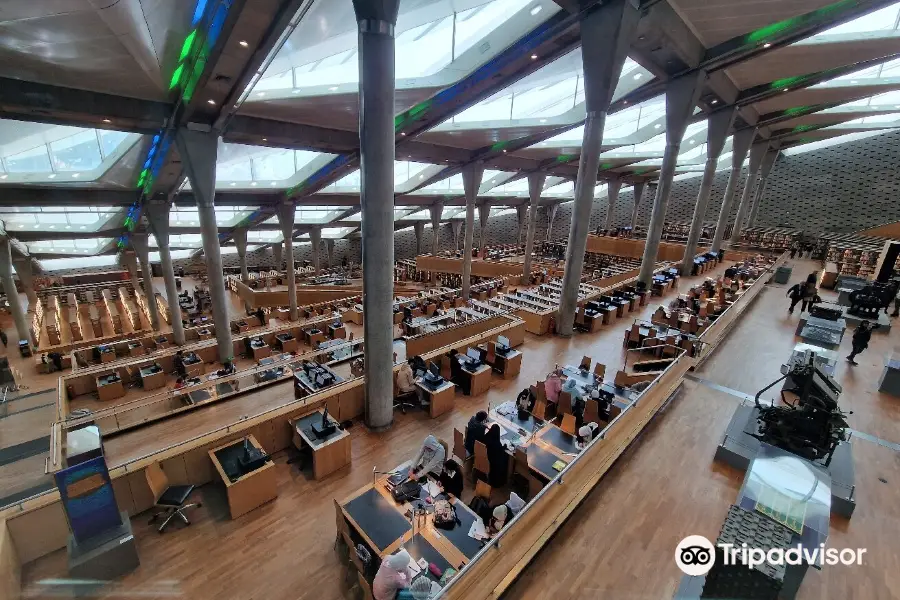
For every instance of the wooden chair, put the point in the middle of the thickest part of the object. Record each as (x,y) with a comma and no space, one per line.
(364,586)
(540,410)
(599,371)
(459,446)
(585,362)
(491,353)
(169,498)
(540,393)
(564,406)
(482,464)
(483,490)
(592,412)
(568,424)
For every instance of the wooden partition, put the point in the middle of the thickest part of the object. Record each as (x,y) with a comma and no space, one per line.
(113,311)
(480,268)
(10,566)
(426,342)
(632,248)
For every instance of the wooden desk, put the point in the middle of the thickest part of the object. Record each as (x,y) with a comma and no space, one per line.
(354,315)
(194,369)
(315,339)
(479,381)
(152,381)
(107,356)
(287,343)
(204,334)
(509,365)
(241,326)
(260,351)
(109,391)
(329,454)
(249,491)
(136,350)
(337,332)
(441,399)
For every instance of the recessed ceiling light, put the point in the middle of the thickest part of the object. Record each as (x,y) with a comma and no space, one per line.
(253,183)
(107,121)
(260,94)
(333,88)
(233,184)
(76,174)
(265,139)
(213,102)
(21,227)
(3,176)
(274,183)
(854,81)
(403,133)
(785,89)
(638,76)
(504,152)
(83,227)
(533,56)
(657,126)
(295,92)
(68,227)
(243,43)
(53,227)
(693,142)
(624,101)
(767,45)
(536,10)
(714,101)
(51,176)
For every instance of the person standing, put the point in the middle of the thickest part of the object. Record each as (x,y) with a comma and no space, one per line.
(861,339)
(796,293)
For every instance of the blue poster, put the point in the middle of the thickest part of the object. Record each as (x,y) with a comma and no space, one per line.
(88,499)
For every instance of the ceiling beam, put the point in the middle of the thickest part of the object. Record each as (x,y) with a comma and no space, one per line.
(33,196)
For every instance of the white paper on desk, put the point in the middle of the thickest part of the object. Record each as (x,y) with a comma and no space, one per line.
(433,488)
(477,530)
(412,570)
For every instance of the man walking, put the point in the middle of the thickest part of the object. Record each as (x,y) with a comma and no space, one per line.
(861,339)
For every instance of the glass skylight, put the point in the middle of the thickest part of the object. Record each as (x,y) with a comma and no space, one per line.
(265,236)
(879,20)
(66,218)
(80,246)
(61,264)
(240,164)
(226,216)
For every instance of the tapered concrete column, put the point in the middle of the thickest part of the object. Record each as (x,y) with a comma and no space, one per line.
(285,212)
(25,270)
(757,151)
(740,144)
(551,217)
(436,210)
(456,228)
(157,213)
(612,194)
(141,247)
(472,175)
(315,236)
(521,221)
(718,126)
(535,187)
(606,32)
(765,170)
(419,229)
(12,296)
(377,19)
(484,216)
(198,155)
(278,255)
(638,195)
(329,249)
(239,235)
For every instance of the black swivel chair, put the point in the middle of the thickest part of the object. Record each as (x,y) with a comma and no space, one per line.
(169,498)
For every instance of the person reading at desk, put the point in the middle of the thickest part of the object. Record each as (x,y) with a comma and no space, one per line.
(456,372)
(586,434)
(431,455)
(392,576)
(451,480)
(180,369)
(227,369)
(475,431)
(406,381)
(552,386)
(504,513)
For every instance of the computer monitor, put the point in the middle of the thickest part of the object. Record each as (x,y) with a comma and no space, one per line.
(435,370)
(503,341)
(320,380)
(473,354)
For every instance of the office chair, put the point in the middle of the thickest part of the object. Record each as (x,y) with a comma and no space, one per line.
(170,498)
(482,464)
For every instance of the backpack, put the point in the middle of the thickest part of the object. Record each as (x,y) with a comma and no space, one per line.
(406,492)
(445,515)
(481,508)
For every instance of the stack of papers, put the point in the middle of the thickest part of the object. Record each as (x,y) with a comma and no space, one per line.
(478,531)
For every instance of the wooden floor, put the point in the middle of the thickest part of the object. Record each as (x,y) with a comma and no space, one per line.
(620,541)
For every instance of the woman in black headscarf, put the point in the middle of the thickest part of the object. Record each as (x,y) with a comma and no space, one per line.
(497,457)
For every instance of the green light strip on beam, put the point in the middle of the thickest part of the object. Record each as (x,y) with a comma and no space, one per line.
(769,31)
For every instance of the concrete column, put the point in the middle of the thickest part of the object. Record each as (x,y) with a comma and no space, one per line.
(9,286)
(535,187)
(484,215)
(612,194)
(551,217)
(377,19)
(456,228)
(740,144)
(157,213)
(681,98)
(419,229)
(757,151)
(24,269)
(141,247)
(718,125)
(638,195)
(285,212)
(315,236)
(606,32)
(278,255)
(472,175)
(198,155)
(765,170)
(436,210)
(329,249)
(521,221)
(239,235)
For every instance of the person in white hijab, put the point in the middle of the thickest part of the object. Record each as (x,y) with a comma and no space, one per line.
(423,588)
(504,513)
(392,576)
(586,434)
